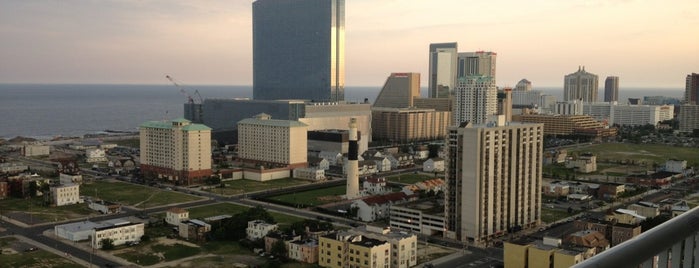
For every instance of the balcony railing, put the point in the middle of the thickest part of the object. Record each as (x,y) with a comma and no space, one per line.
(674,243)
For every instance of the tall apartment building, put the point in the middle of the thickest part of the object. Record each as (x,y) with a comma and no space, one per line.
(271,141)
(523,85)
(504,105)
(409,124)
(580,85)
(691,89)
(395,116)
(176,151)
(476,99)
(476,63)
(298,49)
(574,107)
(399,91)
(688,117)
(442,74)
(493,179)
(611,89)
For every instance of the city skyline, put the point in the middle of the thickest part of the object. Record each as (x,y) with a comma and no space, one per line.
(138,42)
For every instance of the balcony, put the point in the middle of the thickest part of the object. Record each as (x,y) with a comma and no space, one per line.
(674,243)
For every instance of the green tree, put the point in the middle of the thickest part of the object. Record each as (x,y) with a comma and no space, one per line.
(107,244)
(279,249)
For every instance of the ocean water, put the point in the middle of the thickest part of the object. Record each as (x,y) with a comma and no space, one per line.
(49,110)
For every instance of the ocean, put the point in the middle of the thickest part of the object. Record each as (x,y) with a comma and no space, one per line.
(48,110)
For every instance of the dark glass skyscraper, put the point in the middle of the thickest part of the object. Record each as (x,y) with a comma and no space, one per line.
(298,49)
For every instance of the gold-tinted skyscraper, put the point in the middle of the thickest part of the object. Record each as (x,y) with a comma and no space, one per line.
(298,49)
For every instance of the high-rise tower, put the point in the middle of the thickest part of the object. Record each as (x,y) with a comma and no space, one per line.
(493,179)
(476,99)
(476,63)
(399,91)
(298,49)
(442,74)
(691,89)
(611,89)
(581,85)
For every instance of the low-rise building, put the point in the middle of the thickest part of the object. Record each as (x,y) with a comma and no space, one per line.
(175,215)
(584,163)
(4,189)
(273,237)
(616,233)
(314,174)
(70,178)
(119,233)
(12,168)
(65,194)
(555,189)
(36,150)
(375,186)
(343,249)
(258,229)
(304,251)
(645,209)
(434,164)
(676,166)
(657,179)
(421,216)
(403,244)
(377,207)
(104,207)
(95,155)
(194,230)
(608,191)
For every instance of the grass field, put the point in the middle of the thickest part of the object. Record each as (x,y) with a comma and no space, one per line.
(648,153)
(133,143)
(552,215)
(247,186)
(133,195)
(42,213)
(409,178)
(215,209)
(313,197)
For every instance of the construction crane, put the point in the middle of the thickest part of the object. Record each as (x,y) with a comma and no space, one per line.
(190,99)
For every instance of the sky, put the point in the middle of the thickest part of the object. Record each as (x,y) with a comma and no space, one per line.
(647,43)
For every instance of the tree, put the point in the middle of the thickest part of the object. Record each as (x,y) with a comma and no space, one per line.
(107,244)
(234,228)
(278,249)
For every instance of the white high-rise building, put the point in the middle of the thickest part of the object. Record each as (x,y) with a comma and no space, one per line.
(581,85)
(476,63)
(493,179)
(476,99)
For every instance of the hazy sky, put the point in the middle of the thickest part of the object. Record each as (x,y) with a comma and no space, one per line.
(647,43)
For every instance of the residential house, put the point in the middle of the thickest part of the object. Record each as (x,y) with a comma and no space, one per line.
(584,163)
(375,186)
(275,236)
(401,160)
(65,194)
(95,155)
(176,215)
(434,164)
(372,208)
(193,230)
(382,163)
(104,207)
(258,229)
(304,251)
(422,152)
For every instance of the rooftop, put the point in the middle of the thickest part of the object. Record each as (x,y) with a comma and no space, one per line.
(368,242)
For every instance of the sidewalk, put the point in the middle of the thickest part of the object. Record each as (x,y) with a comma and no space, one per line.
(52,250)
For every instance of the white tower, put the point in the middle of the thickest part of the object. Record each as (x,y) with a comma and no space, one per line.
(352,162)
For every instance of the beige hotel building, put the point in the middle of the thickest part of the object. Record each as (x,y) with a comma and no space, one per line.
(271,141)
(177,151)
(493,179)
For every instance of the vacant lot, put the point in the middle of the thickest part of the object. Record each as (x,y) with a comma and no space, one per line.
(313,197)
(646,153)
(14,254)
(553,215)
(215,209)
(34,210)
(246,186)
(133,195)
